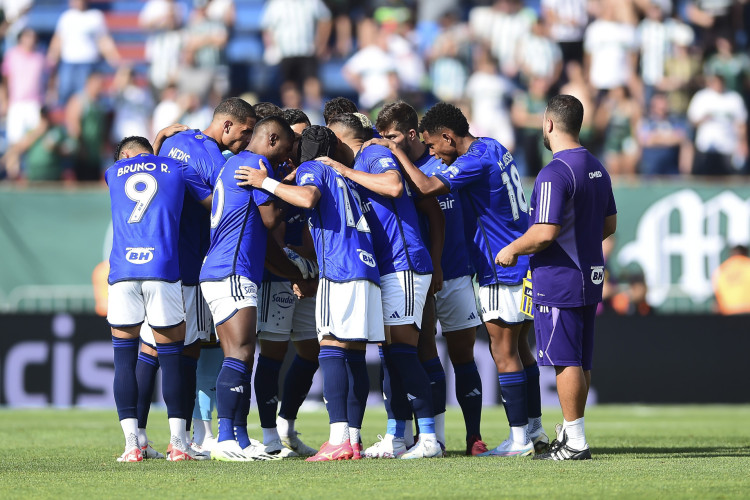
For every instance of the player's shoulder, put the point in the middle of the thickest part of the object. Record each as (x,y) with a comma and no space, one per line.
(311,171)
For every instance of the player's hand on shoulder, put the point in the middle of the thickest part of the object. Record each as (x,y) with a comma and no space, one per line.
(506,258)
(338,167)
(173,130)
(379,141)
(249,176)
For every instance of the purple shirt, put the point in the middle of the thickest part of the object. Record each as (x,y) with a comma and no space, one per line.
(574,191)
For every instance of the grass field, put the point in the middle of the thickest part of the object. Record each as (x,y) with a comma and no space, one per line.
(639,452)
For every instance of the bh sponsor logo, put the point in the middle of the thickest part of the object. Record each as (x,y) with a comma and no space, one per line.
(366,257)
(139,255)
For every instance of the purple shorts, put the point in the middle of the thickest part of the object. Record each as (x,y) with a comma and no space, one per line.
(565,336)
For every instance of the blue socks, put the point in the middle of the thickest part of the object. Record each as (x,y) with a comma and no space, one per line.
(125,386)
(469,396)
(189,382)
(415,382)
(513,391)
(359,387)
(436,374)
(396,405)
(232,390)
(266,385)
(533,393)
(297,384)
(145,373)
(335,382)
(209,365)
(171,377)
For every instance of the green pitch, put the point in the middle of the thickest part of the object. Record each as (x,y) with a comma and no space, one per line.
(639,452)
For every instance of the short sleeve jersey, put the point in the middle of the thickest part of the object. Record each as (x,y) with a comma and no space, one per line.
(146,194)
(455,260)
(494,207)
(573,191)
(202,154)
(393,221)
(340,232)
(238,235)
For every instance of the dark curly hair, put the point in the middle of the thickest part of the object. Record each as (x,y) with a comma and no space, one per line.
(566,111)
(337,106)
(443,115)
(294,116)
(235,107)
(134,142)
(397,114)
(266,109)
(353,124)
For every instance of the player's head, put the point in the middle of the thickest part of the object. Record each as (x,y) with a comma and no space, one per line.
(442,126)
(234,120)
(399,122)
(132,146)
(563,117)
(351,133)
(266,109)
(317,141)
(297,119)
(274,139)
(338,106)
(738,250)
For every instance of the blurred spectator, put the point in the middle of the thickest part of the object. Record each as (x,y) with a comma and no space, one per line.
(528,116)
(291,98)
(167,112)
(681,70)
(86,121)
(617,117)
(372,70)
(221,11)
(732,282)
(538,56)
(610,50)
(489,95)
(578,88)
(42,151)
(719,116)
(449,57)
(632,301)
(203,53)
(132,105)
(410,69)
(22,90)
(196,112)
(163,19)
(502,27)
(567,20)
(665,145)
(296,33)
(733,67)
(341,11)
(15,19)
(713,19)
(80,37)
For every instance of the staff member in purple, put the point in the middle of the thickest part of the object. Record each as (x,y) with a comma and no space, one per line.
(572,211)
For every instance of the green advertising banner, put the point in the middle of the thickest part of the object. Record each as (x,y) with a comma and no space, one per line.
(676,233)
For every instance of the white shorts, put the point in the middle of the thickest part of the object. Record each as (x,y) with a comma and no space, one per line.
(281,315)
(130,302)
(350,312)
(404,293)
(198,324)
(456,305)
(228,296)
(502,302)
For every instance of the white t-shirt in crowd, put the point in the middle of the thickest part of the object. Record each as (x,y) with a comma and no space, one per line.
(572,17)
(610,45)
(373,65)
(489,114)
(79,32)
(716,116)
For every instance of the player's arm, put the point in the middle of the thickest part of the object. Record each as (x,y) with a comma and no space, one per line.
(610,226)
(535,239)
(299,196)
(424,185)
(165,133)
(278,263)
(195,187)
(307,248)
(436,220)
(386,184)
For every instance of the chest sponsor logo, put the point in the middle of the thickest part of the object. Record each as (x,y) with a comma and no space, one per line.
(284,300)
(366,257)
(597,274)
(139,255)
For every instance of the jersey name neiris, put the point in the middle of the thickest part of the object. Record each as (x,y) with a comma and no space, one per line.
(574,191)
(238,235)
(455,261)
(393,221)
(147,194)
(494,206)
(340,232)
(202,154)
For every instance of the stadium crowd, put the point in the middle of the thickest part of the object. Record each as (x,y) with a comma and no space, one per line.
(664,82)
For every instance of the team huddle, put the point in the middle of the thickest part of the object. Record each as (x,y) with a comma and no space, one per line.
(271,229)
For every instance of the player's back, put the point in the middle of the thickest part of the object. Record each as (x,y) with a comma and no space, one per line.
(494,206)
(146,194)
(582,183)
(393,221)
(238,235)
(341,234)
(203,155)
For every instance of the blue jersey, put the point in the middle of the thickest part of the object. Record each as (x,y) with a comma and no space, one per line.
(494,205)
(146,194)
(340,232)
(455,260)
(393,221)
(238,235)
(203,155)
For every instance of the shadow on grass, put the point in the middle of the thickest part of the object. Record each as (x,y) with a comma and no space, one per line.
(682,452)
